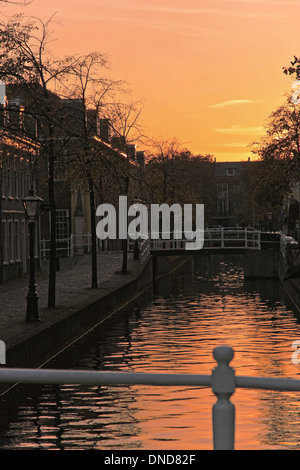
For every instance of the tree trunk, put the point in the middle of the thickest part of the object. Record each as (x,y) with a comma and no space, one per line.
(93,230)
(52,266)
(125,242)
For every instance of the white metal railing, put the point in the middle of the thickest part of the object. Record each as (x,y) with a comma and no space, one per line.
(283,246)
(72,244)
(288,251)
(62,244)
(232,238)
(222,380)
(144,247)
(213,238)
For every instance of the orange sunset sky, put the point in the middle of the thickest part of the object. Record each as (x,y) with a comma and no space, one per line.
(208,71)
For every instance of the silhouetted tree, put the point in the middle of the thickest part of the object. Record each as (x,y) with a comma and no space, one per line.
(88,94)
(27,63)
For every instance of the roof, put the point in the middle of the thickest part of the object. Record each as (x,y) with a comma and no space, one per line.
(222,167)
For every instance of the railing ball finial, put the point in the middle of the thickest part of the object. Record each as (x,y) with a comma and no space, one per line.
(223,355)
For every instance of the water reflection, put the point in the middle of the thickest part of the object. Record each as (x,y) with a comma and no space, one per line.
(207,304)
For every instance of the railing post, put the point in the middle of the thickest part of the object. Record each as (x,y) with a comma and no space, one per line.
(43,248)
(223,386)
(71,245)
(2,352)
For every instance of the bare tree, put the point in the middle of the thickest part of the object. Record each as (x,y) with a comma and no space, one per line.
(125,121)
(90,92)
(27,63)
(16,2)
(278,152)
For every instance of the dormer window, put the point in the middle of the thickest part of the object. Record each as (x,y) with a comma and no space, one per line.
(230,171)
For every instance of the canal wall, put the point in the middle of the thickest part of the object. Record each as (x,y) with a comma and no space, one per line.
(290,280)
(261,264)
(60,328)
(269,264)
(164,265)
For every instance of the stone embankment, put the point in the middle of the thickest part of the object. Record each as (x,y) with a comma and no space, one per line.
(78,307)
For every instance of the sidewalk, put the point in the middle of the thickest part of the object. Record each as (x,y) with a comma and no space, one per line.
(73,288)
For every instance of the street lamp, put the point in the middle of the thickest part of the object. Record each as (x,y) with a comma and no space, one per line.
(31,205)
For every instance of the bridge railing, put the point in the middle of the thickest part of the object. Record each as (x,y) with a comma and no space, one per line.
(222,380)
(213,238)
(232,238)
(144,247)
(290,252)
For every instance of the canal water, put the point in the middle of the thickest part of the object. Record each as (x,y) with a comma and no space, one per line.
(205,304)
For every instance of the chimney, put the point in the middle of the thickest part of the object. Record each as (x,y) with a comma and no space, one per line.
(131,152)
(140,158)
(104,129)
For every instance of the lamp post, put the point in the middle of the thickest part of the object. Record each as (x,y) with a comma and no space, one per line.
(31,205)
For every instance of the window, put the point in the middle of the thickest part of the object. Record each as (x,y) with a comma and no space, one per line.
(10,241)
(22,183)
(59,171)
(62,224)
(9,182)
(2,169)
(17,240)
(4,241)
(15,179)
(230,171)
(222,190)
(222,206)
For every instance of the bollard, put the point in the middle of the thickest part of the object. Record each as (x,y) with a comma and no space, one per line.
(223,386)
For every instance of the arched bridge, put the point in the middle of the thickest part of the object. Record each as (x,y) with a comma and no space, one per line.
(223,239)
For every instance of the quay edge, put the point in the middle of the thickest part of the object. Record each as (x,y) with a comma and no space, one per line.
(291,283)
(61,327)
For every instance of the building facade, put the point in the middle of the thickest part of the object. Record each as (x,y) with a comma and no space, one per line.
(228,200)
(17,176)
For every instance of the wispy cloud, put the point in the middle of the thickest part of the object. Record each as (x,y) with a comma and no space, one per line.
(224,104)
(167,26)
(233,144)
(237,129)
(150,8)
(264,2)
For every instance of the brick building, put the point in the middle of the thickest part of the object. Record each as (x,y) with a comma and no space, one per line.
(228,179)
(17,176)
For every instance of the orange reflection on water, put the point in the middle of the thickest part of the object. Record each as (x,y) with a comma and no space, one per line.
(177,333)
